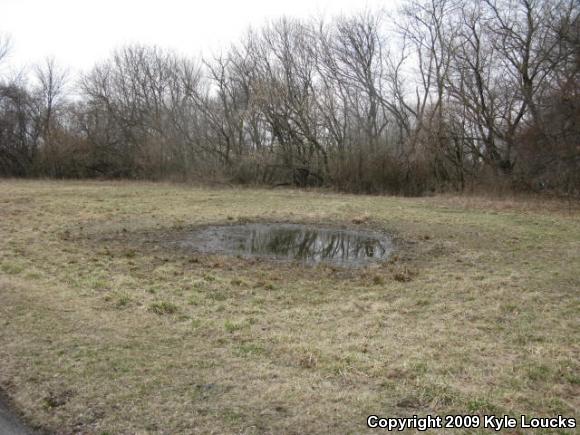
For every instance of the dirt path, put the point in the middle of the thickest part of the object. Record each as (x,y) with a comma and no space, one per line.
(9,423)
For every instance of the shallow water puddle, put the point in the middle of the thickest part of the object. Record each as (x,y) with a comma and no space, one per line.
(304,243)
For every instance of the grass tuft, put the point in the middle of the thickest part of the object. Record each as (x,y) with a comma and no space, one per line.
(163,307)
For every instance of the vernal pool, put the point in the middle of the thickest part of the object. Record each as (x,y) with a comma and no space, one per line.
(308,244)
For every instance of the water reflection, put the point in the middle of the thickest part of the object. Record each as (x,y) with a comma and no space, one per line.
(294,242)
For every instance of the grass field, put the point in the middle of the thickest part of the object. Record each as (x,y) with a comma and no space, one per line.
(104,328)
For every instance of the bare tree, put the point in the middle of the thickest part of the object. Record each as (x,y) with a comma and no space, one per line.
(18,129)
(5,45)
(50,94)
(442,94)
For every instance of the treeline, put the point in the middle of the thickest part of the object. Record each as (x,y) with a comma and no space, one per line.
(445,95)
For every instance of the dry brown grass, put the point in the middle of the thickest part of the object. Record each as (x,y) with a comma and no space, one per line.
(102,331)
(511,202)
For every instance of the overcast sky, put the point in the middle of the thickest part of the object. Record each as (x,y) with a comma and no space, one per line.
(80,32)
